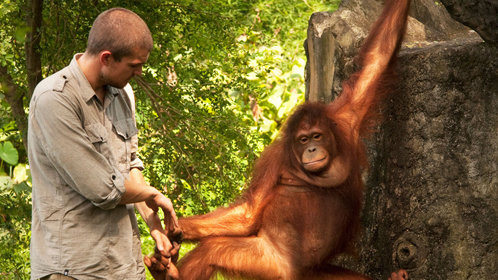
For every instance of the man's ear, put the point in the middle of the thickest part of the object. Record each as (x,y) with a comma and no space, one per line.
(105,57)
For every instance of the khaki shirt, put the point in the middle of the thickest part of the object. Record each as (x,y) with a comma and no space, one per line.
(80,151)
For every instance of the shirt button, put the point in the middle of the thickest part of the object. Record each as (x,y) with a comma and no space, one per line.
(113,177)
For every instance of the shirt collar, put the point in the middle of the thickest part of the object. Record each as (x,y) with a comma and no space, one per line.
(87,91)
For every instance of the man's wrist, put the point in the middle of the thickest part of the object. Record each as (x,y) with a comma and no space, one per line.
(152,192)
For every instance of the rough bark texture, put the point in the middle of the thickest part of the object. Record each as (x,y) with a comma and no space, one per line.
(14,95)
(431,201)
(33,56)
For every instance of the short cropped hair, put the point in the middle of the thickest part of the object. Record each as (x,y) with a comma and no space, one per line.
(119,31)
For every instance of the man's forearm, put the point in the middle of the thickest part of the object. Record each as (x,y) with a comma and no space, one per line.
(151,217)
(136,189)
(148,207)
(147,214)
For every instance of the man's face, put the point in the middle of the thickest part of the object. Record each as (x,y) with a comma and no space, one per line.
(119,73)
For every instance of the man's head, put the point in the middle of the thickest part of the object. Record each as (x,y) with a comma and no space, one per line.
(119,31)
(121,41)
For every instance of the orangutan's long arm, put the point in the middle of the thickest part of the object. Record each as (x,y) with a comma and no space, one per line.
(365,88)
(243,218)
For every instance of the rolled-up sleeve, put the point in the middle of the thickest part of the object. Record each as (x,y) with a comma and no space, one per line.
(135,161)
(58,128)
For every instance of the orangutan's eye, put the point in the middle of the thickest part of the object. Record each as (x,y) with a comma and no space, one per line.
(317,136)
(303,140)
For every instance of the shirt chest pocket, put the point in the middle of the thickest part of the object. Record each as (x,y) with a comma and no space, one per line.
(125,128)
(125,132)
(97,134)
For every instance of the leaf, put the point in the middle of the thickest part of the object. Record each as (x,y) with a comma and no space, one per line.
(22,187)
(8,153)
(20,173)
(5,182)
(20,33)
(276,99)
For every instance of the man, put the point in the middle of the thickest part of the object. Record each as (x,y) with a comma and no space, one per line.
(82,145)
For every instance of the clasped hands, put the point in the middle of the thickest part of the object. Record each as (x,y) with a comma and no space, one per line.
(168,239)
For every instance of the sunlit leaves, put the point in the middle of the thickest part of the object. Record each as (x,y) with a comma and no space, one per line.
(20,173)
(15,213)
(8,153)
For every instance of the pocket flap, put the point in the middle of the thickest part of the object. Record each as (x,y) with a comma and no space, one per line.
(125,128)
(96,132)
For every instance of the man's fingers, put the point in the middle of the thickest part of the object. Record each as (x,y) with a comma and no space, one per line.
(168,209)
(162,242)
(166,205)
(174,219)
(147,261)
(163,253)
(172,225)
(157,238)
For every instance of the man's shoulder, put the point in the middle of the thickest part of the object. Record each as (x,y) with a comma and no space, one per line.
(55,90)
(55,82)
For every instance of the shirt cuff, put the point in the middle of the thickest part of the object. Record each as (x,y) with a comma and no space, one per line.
(114,197)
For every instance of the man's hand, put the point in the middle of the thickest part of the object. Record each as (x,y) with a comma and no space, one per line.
(170,220)
(160,201)
(161,267)
(148,201)
(156,230)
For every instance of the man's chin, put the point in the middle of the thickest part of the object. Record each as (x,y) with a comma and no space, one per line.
(118,85)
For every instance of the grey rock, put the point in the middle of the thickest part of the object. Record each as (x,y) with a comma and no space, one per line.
(480,15)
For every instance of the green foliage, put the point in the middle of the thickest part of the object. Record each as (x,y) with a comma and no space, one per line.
(218,86)
(8,153)
(15,215)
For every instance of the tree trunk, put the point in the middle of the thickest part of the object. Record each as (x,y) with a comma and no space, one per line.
(432,188)
(13,95)
(33,56)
